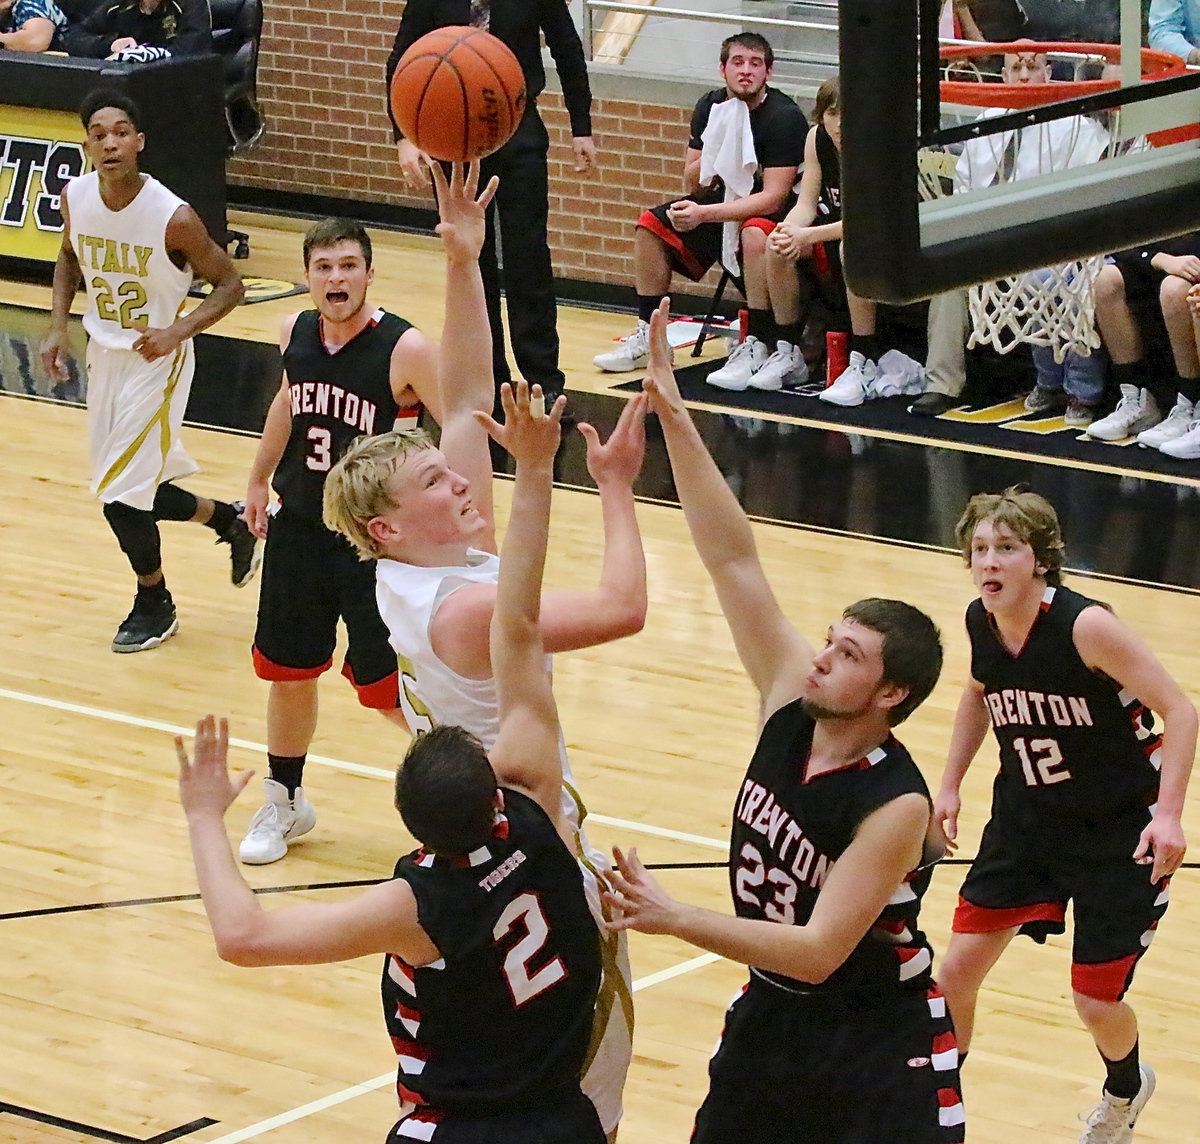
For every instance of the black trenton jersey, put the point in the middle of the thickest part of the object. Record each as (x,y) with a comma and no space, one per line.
(777,126)
(830,203)
(787,833)
(335,397)
(1078,756)
(501,1022)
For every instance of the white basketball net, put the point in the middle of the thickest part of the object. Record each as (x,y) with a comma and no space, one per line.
(1054,306)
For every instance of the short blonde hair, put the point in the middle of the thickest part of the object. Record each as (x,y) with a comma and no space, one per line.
(358,487)
(1025,514)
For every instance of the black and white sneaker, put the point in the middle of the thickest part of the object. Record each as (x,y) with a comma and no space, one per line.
(151,622)
(245,549)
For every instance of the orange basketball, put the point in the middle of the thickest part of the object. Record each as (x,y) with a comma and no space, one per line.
(458,94)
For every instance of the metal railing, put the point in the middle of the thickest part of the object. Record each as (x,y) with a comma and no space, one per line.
(681,42)
(739,19)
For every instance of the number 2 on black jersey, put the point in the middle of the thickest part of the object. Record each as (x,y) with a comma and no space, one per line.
(523,983)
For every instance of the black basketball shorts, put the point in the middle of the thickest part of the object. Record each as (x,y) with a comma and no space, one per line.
(1142,280)
(1116,907)
(692,252)
(788,1073)
(310,579)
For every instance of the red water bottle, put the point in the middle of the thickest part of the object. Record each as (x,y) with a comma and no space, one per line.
(837,355)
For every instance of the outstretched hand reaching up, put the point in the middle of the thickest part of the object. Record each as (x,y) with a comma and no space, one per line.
(619,459)
(530,432)
(659,381)
(205,785)
(463,212)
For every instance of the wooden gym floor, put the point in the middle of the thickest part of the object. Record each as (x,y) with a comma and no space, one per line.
(119,1021)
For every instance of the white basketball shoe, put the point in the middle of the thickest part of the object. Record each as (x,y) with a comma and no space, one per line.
(279,820)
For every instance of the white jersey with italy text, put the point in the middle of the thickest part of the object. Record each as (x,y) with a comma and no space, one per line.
(131,281)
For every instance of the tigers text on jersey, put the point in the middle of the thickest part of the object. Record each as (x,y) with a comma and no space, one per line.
(501,1021)
(335,397)
(1077,754)
(788,832)
(131,281)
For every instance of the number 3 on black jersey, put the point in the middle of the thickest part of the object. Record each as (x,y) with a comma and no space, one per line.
(320,457)
(1042,762)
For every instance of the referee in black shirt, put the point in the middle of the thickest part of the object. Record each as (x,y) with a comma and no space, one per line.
(522,200)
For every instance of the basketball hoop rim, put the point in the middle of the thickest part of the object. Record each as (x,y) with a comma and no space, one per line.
(1017,97)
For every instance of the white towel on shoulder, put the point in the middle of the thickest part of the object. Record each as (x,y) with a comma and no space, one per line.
(727,153)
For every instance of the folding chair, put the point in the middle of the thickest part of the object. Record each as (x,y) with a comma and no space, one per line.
(706,328)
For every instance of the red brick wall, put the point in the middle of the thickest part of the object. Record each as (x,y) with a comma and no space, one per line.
(321,84)
(640,163)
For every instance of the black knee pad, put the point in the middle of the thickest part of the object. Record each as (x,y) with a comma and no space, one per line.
(173,503)
(137,534)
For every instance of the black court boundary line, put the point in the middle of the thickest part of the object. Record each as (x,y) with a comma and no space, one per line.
(42,399)
(885,419)
(7,1109)
(173,899)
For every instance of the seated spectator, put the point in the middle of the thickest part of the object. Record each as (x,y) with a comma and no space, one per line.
(31,25)
(747,141)
(810,235)
(803,261)
(984,162)
(1163,273)
(802,256)
(1073,386)
(946,362)
(991,20)
(1076,22)
(142,29)
(1175,28)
